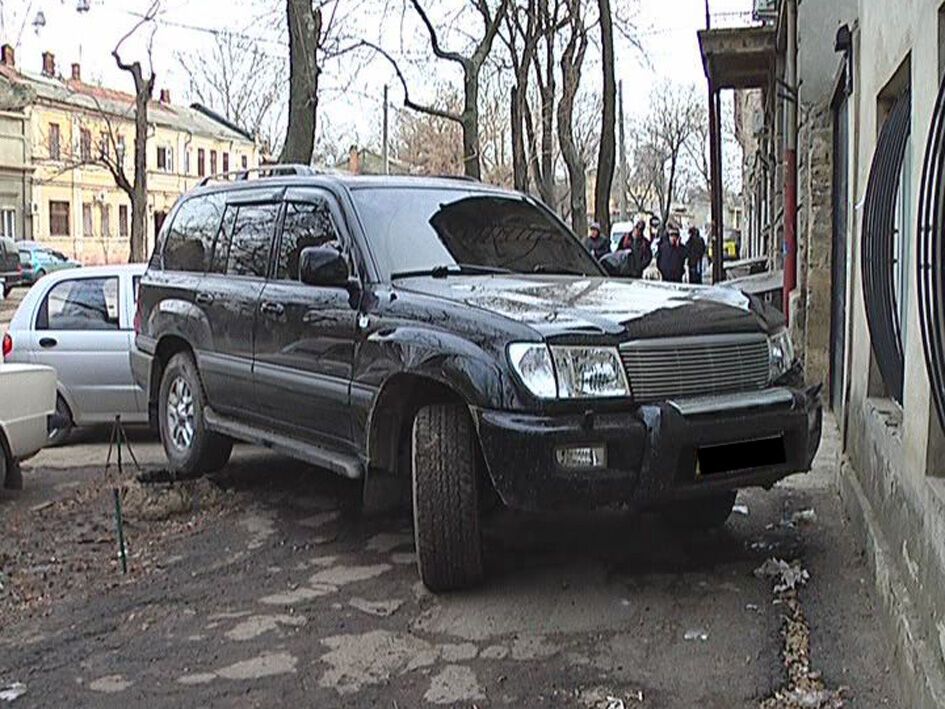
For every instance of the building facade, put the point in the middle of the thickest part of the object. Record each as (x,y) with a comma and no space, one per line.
(868,308)
(71,129)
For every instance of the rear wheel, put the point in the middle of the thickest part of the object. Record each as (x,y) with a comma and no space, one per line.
(7,290)
(191,449)
(701,513)
(445,498)
(11,475)
(61,424)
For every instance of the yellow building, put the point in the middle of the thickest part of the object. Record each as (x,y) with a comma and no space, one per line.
(76,206)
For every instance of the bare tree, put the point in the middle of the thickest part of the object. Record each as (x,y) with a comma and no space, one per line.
(551,19)
(521,39)
(137,187)
(572,61)
(471,65)
(606,159)
(235,77)
(673,118)
(431,143)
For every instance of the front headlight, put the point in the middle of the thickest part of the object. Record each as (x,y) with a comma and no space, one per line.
(569,372)
(781,354)
(589,372)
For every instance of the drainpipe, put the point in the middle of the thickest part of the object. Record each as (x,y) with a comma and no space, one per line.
(790,158)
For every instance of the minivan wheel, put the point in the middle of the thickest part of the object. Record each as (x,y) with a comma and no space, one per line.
(445,498)
(60,425)
(191,449)
(702,512)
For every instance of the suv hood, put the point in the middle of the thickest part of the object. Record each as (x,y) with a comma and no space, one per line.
(558,306)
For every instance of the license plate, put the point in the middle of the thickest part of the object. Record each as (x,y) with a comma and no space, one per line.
(742,455)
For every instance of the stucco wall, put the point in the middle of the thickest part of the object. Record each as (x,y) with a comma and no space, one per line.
(889,445)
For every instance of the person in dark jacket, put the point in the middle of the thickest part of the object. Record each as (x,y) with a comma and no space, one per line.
(671,259)
(695,252)
(597,244)
(639,253)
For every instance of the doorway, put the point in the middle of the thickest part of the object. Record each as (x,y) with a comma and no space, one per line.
(838,267)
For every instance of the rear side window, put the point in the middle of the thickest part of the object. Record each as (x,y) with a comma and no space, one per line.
(251,242)
(305,225)
(189,241)
(81,304)
(221,250)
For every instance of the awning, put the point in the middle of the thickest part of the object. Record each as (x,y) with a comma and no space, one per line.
(739,57)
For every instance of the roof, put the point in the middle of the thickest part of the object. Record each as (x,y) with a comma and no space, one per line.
(99,99)
(134,269)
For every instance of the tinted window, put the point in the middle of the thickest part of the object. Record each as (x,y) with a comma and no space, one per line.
(412,229)
(189,241)
(83,304)
(305,225)
(252,240)
(221,251)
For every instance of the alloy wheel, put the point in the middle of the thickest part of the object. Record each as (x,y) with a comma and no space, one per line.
(181,420)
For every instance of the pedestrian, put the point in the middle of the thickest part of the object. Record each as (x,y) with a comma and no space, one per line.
(671,257)
(597,244)
(639,253)
(695,252)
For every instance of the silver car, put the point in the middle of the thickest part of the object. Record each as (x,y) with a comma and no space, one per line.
(80,323)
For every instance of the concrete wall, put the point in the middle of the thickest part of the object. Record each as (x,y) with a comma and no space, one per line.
(893,469)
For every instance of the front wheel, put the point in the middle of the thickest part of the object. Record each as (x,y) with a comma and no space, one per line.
(445,498)
(191,449)
(702,512)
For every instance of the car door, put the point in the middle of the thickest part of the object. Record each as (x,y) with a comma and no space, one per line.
(229,296)
(83,332)
(305,335)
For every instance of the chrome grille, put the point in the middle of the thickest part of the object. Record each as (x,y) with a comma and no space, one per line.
(694,366)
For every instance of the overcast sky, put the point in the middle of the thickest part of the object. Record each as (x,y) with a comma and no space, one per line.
(667,30)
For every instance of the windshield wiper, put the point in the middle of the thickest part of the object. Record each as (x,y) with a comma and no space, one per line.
(556,270)
(453,269)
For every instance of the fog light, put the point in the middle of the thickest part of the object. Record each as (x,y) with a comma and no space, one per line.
(582,457)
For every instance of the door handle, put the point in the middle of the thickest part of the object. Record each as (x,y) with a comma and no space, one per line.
(48,342)
(274,309)
(204,298)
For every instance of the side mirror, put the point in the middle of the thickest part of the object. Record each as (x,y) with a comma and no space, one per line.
(323,266)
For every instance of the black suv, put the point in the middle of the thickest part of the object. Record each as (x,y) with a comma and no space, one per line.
(458,336)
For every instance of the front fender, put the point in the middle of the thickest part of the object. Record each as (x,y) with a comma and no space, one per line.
(471,371)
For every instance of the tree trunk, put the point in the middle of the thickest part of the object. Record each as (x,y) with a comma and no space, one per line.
(519,160)
(577,178)
(546,187)
(304,30)
(470,123)
(607,154)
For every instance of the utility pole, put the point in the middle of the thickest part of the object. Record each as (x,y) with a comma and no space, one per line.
(623,155)
(385,147)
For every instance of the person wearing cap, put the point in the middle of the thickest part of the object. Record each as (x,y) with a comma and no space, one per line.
(695,252)
(637,247)
(596,243)
(671,258)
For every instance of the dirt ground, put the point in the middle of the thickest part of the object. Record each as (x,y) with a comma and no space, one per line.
(265,586)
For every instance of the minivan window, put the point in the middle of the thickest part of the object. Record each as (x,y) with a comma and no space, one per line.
(414,229)
(252,240)
(189,240)
(80,304)
(305,225)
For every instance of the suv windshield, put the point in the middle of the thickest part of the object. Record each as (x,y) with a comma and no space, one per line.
(415,230)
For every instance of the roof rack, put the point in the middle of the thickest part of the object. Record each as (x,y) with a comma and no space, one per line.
(262,172)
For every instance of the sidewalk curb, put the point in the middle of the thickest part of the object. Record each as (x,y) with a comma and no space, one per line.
(921,682)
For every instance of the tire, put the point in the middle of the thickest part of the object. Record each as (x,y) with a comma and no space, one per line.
(445,458)
(7,290)
(39,274)
(61,430)
(11,475)
(191,449)
(701,513)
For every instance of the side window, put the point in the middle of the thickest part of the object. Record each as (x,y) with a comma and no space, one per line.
(221,250)
(305,225)
(189,241)
(81,304)
(252,240)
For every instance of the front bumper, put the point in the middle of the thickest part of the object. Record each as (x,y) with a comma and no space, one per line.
(654,453)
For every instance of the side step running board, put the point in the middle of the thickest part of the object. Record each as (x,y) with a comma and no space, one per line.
(340,463)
